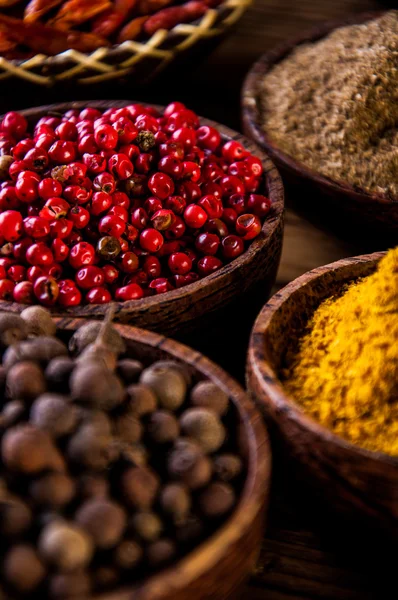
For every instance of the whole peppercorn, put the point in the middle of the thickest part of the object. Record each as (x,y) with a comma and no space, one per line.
(168,384)
(68,586)
(104,520)
(12,413)
(129,370)
(227,466)
(27,449)
(145,140)
(5,162)
(15,516)
(95,384)
(99,354)
(65,546)
(108,247)
(13,329)
(203,426)
(40,349)
(25,381)
(23,569)
(53,490)
(207,394)
(58,372)
(142,399)
(88,333)
(147,526)
(127,554)
(188,464)
(98,419)
(93,486)
(38,321)
(139,486)
(127,427)
(172,364)
(161,552)
(175,501)
(163,427)
(216,500)
(90,448)
(54,413)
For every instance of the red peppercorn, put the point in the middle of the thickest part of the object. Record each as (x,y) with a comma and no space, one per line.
(208,264)
(259,205)
(152,267)
(132,291)
(98,295)
(20,248)
(121,199)
(207,243)
(101,202)
(23,293)
(120,166)
(229,216)
(160,285)
(39,254)
(216,226)
(111,225)
(161,185)
(79,216)
(194,216)
(237,202)
(49,188)
(34,273)
(26,188)
(163,219)
(54,270)
(231,185)
(106,137)
(36,227)
(190,191)
(6,289)
(11,225)
(8,198)
(139,218)
(129,262)
(212,188)
(54,209)
(62,152)
(185,136)
(126,131)
(20,150)
(89,277)
(60,250)
(69,295)
(208,138)
(248,226)
(172,108)
(176,230)
(111,273)
(61,228)
(232,246)
(119,211)
(36,159)
(14,124)
(212,205)
(171,166)
(179,263)
(46,290)
(16,273)
(81,254)
(233,151)
(176,203)
(151,240)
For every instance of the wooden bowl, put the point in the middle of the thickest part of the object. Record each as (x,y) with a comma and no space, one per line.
(217,567)
(314,191)
(359,482)
(180,309)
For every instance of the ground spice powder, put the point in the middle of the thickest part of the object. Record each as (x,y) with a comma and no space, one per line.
(345,373)
(333,105)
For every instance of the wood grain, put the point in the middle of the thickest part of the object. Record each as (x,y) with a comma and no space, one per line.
(219,565)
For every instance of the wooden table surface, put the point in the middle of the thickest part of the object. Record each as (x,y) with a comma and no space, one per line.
(299,559)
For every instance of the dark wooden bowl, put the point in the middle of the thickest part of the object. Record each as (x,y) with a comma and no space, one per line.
(220,564)
(313,190)
(359,482)
(180,309)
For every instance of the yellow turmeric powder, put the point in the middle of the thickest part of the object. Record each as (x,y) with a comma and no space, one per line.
(345,372)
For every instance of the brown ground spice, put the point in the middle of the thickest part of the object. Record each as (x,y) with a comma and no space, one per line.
(333,105)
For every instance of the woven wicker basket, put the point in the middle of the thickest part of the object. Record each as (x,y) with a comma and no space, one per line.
(139,60)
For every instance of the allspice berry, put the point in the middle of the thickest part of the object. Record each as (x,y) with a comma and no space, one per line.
(58,372)
(40,349)
(163,427)
(15,516)
(204,427)
(93,486)
(175,501)
(54,413)
(90,448)
(177,366)
(65,546)
(53,490)
(97,386)
(134,454)
(216,500)
(139,486)
(100,354)
(25,381)
(129,370)
(127,554)
(127,427)
(13,329)
(168,385)
(27,449)
(23,569)
(88,333)
(12,412)
(104,520)
(161,552)
(38,321)
(188,464)
(142,399)
(227,466)
(70,586)
(147,526)
(207,394)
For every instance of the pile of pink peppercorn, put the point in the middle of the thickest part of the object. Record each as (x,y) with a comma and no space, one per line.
(121,204)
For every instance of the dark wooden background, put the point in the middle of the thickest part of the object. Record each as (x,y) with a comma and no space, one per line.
(308,554)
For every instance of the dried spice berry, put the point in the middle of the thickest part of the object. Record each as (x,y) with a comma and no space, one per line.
(12,329)
(139,486)
(127,554)
(25,381)
(216,500)
(53,490)
(175,501)
(142,399)
(168,384)
(55,414)
(23,569)
(38,321)
(227,466)
(65,546)
(27,449)
(104,520)
(209,395)
(15,516)
(96,385)
(163,427)
(203,426)
(147,526)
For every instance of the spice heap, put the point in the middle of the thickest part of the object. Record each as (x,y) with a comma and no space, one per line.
(122,204)
(345,373)
(109,470)
(332,105)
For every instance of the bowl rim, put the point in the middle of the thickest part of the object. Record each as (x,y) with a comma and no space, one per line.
(254,497)
(271,385)
(275,191)
(251,108)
